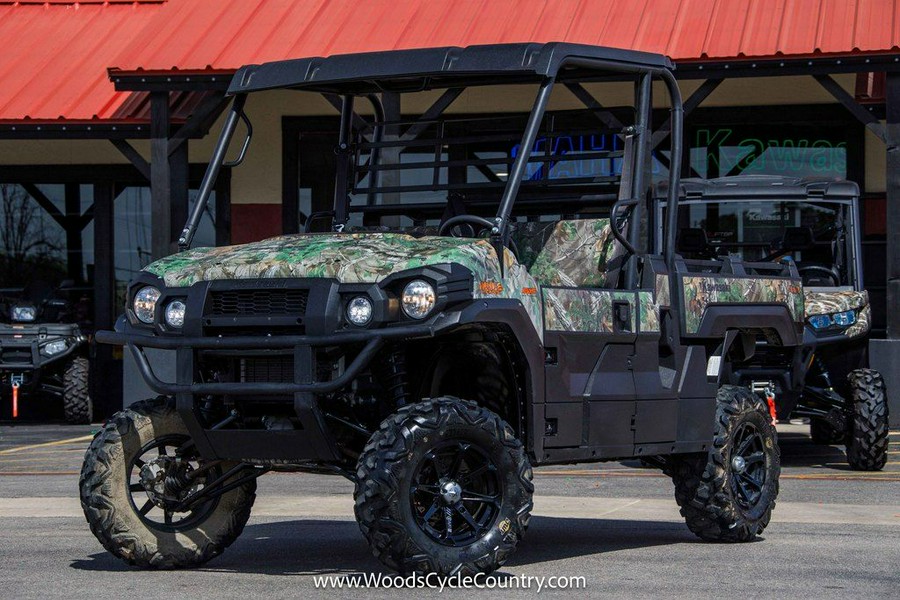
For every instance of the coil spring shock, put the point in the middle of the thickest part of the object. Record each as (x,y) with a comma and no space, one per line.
(394,375)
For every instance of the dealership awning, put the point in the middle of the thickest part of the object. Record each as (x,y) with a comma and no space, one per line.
(57,54)
(200,35)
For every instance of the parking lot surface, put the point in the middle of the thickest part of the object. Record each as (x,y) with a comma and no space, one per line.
(835,532)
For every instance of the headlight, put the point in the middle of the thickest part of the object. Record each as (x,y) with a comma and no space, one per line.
(145,304)
(418,299)
(23,314)
(55,347)
(844,319)
(820,321)
(359,311)
(175,313)
(841,319)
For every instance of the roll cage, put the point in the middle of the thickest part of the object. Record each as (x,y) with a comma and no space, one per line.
(348,78)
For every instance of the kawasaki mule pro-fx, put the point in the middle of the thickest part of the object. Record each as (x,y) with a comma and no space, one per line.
(814,224)
(481,302)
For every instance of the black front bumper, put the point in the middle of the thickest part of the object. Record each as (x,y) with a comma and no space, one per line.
(312,441)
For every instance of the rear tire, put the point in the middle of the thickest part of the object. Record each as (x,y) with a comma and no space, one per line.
(823,434)
(113,514)
(77,406)
(868,444)
(728,493)
(415,474)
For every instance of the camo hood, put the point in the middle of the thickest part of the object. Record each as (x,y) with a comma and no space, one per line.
(349,258)
(826,302)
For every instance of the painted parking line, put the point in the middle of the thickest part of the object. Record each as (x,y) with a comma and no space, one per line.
(83,438)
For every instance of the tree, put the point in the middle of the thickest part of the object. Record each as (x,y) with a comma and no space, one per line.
(28,245)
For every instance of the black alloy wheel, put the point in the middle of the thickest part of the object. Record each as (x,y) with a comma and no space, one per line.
(456,493)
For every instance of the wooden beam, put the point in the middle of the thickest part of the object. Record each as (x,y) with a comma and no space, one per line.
(892,138)
(200,120)
(45,203)
(74,254)
(692,102)
(133,156)
(850,103)
(585,97)
(160,177)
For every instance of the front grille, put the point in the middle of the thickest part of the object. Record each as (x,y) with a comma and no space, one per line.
(256,303)
(276,369)
(16,355)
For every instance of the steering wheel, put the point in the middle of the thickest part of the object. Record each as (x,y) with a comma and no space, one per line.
(469,221)
(830,272)
(453,223)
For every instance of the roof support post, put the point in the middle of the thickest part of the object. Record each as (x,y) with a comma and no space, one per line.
(892,138)
(178,189)
(104,295)
(73,232)
(160,177)
(168,179)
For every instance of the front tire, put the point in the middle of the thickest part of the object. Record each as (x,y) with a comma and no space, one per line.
(868,443)
(443,487)
(727,494)
(77,406)
(129,516)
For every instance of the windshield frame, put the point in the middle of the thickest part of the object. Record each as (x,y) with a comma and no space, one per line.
(850,206)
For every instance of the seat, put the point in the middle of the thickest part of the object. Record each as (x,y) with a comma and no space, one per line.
(579,253)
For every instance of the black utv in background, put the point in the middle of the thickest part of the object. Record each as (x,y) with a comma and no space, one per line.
(813,224)
(43,352)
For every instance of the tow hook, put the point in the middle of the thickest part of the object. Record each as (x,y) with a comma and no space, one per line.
(770,400)
(16,381)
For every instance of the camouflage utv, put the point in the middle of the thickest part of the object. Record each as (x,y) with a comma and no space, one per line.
(813,224)
(480,302)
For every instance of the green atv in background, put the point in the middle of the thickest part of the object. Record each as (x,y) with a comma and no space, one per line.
(813,224)
(477,301)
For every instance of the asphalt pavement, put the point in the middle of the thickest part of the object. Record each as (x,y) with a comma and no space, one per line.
(835,532)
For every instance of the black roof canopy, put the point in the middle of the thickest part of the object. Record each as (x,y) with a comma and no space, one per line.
(763,187)
(429,68)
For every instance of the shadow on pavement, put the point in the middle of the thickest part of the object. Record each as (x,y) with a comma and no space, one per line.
(798,450)
(322,547)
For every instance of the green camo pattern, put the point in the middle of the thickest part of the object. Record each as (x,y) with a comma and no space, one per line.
(349,258)
(576,254)
(582,310)
(700,292)
(830,302)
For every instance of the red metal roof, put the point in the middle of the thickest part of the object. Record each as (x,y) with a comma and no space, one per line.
(229,33)
(55,59)
(55,54)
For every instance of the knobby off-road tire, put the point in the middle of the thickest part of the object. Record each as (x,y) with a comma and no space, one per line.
(823,434)
(707,484)
(393,499)
(113,517)
(77,406)
(868,442)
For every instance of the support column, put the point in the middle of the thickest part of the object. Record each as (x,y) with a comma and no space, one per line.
(892,179)
(178,191)
(884,355)
(75,266)
(161,220)
(105,369)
